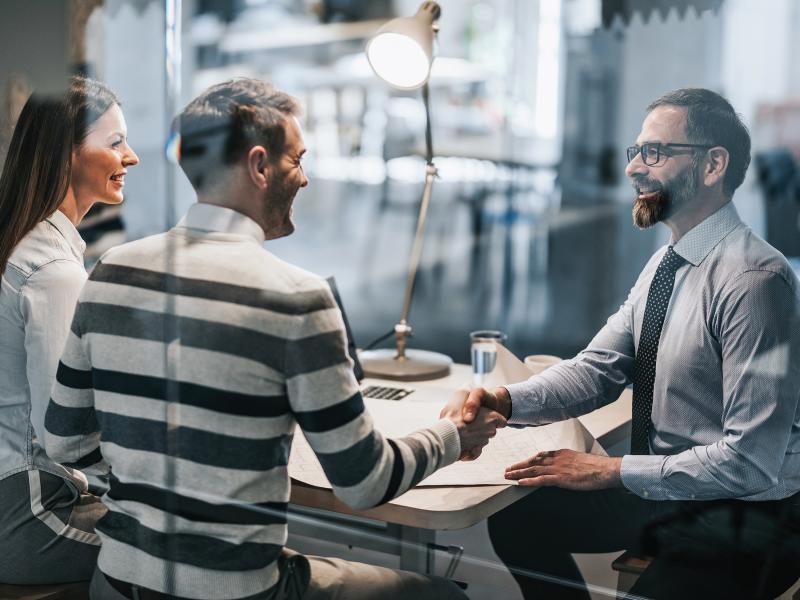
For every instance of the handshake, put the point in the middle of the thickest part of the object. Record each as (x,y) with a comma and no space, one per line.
(478,414)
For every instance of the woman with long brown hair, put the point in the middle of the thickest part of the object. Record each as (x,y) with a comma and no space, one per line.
(67,153)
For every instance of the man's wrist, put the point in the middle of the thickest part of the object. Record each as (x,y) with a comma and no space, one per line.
(615,472)
(503,400)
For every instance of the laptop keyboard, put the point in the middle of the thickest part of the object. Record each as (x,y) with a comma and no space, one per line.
(381,392)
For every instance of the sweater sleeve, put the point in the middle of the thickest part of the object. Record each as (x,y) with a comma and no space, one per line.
(72,432)
(364,468)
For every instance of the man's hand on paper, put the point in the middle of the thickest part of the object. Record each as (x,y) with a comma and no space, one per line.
(567,469)
(476,432)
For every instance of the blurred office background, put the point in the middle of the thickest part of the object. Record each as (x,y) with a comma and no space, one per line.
(533,103)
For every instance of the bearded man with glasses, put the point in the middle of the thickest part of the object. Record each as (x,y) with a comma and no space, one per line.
(709,337)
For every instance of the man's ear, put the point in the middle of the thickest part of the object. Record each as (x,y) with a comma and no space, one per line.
(257,167)
(717,161)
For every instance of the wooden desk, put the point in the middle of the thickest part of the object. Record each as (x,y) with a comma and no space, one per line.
(407,525)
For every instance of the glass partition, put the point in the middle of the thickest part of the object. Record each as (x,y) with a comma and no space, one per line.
(208,331)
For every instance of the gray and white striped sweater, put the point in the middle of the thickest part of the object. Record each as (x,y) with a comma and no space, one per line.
(191,357)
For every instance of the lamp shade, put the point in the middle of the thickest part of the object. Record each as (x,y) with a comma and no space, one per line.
(401,52)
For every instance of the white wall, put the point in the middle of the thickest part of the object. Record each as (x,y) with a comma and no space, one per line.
(746,52)
(134,65)
(758,66)
(660,56)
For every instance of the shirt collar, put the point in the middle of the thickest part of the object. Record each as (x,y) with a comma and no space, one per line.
(65,227)
(703,238)
(209,217)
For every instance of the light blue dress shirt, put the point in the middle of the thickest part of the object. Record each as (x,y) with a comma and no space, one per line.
(40,287)
(726,416)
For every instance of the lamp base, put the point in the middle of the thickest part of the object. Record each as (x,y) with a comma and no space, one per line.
(417,365)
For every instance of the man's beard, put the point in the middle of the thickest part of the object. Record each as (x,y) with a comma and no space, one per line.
(278,206)
(662,200)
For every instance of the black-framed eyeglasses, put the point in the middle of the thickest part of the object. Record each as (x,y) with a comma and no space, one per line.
(654,152)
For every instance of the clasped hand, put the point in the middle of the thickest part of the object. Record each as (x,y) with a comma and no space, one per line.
(476,432)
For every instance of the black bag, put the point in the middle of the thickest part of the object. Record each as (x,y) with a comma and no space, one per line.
(295,575)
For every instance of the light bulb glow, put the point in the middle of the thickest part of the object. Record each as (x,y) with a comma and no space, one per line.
(399,60)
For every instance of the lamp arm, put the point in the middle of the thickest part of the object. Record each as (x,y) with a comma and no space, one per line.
(402,329)
(428,136)
(416,249)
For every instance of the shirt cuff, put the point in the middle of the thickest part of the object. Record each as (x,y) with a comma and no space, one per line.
(642,475)
(447,432)
(525,403)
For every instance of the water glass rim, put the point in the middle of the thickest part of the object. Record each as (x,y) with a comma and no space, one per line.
(493,335)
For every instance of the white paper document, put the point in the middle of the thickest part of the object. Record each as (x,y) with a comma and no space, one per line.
(508,369)
(511,445)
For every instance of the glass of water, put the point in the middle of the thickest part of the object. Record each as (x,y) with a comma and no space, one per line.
(483,350)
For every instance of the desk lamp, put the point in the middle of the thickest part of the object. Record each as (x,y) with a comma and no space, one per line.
(401,53)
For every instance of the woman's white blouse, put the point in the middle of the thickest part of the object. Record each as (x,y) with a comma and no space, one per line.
(40,287)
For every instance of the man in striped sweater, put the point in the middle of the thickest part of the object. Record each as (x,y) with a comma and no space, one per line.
(191,357)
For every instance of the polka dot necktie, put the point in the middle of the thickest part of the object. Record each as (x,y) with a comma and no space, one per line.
(644,370)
